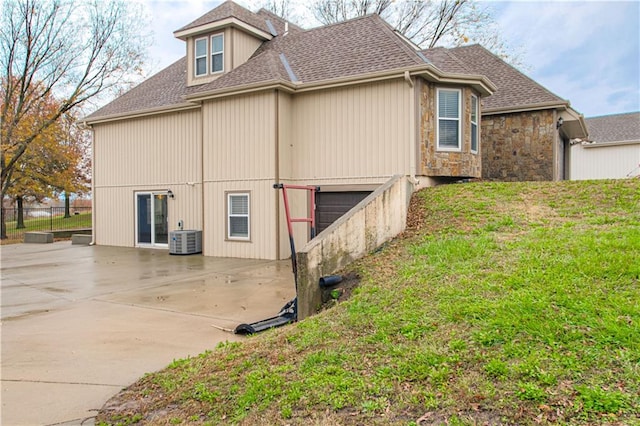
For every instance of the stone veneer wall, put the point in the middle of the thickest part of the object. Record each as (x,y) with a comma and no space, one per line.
(445,163)
(518,146)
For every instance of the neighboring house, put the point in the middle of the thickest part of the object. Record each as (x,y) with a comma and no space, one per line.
(257,101)
(612,150)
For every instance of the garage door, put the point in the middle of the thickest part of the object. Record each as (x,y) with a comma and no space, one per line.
(331,205)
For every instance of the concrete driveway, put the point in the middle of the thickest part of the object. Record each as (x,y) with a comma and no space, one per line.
(80,323)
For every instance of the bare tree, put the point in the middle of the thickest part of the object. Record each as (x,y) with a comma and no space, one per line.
(427,23)
(72,50)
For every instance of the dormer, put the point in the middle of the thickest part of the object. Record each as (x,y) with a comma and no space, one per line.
(222,40)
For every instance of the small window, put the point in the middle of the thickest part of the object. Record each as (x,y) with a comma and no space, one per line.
(238,216)
(474,123)
(217,53)
(201,57)
(448,119)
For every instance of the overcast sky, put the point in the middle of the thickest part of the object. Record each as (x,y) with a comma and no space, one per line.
(585,51)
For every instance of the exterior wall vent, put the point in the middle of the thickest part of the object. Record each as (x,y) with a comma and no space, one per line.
(185,242)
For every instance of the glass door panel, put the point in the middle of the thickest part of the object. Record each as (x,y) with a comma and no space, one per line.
(144,219)
(152,227)
(161,225)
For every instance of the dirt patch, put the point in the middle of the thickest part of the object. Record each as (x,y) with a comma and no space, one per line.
(340,291)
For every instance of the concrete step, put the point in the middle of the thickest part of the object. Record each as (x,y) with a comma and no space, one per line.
(38,237)
(81,239)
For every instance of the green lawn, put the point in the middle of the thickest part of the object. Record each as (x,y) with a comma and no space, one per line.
(503,303)
(55,223)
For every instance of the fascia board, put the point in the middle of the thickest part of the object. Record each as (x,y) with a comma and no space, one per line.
(212,26)
(142,113)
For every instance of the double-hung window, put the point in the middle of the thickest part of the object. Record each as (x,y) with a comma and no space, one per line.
(217,53)
(449,120)
(201,57)
(474,123)
(238,224)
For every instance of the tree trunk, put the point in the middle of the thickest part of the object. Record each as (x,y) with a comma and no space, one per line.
(67,205)
(20,219)
(3,230)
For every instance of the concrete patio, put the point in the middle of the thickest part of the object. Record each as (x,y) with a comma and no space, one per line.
(80,323)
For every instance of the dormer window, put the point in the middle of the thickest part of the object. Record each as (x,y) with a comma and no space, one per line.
(217,53)
(201,57)
(205,64)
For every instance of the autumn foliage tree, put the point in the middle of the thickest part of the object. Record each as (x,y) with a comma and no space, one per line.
(55,57)
(55,162)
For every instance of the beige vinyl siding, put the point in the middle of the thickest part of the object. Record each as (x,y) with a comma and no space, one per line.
(242,46)
(262,244)
(604,161)
(356,134)
(239,155)
(155,153)
(298,200)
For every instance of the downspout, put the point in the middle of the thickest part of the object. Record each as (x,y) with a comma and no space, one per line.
(412,126)
(554,149)
(93,186)
(202,201)
(277,168)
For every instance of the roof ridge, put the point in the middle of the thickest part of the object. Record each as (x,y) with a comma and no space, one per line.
(460,62)
(334,24)
(262,10)
(498,59)
(230,9)
(398,40)
(615,114)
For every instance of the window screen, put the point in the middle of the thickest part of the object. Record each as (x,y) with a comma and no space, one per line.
(217,53)
(201,56)
(449,119)
(238,221)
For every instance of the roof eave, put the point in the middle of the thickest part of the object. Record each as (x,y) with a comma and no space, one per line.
(523,108)
(479,82)
(575,126)
(141,113)
(237,90)
(609,143)
(227,22)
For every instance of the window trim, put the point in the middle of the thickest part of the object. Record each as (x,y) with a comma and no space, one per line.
(445,148)
(475,131)
(196,57)
(212,53)
(229,215)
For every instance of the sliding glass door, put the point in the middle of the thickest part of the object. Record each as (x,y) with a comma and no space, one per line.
(152,222)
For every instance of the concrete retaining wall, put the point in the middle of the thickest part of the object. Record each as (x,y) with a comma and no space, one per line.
(375,220)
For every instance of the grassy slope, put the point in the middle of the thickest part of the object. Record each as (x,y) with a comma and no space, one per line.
(502,304)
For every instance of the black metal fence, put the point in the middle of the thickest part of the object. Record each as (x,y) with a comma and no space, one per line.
(45,219)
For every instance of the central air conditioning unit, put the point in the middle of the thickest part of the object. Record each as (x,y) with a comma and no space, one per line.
(185,242)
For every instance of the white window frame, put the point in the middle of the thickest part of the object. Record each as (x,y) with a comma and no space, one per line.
(458,120)
(245,215)
(474,124)
(205,56)
(212,53)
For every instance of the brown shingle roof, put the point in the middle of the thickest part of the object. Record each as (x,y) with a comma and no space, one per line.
(229,9)
(443,59)
(356,47)
(614,128)
(165,88)
(514,89)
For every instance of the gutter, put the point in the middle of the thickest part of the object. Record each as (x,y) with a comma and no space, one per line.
(531,107)
(141,113)
(427,71)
